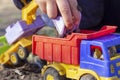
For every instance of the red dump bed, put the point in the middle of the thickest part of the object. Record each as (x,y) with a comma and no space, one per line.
(65,50)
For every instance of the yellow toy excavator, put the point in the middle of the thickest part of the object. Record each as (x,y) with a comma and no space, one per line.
(28,8)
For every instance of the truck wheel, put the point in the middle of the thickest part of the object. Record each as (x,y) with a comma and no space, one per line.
(88,77)
(52,74)
(14,58)
(22,53)
(19,4)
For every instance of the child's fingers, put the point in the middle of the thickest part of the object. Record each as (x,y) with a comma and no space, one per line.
(65,11)
(42,5)
(51,8)
(75,13)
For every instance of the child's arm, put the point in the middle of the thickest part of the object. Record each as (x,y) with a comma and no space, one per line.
(92,13)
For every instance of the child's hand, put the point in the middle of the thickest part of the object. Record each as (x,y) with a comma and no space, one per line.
(67,8)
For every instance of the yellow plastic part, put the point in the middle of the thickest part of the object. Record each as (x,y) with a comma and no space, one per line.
(21,53)
(24,42)
(116,57)
(56,66)
(74,71)
(50,77)
(13,58)
(110,78)
(29,12)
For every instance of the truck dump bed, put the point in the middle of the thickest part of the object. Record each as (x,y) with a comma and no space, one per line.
(65,50)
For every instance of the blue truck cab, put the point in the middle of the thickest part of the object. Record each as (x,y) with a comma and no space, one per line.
(102,55)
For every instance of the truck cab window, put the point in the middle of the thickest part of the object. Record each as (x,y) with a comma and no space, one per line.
(114,51)
(96,52)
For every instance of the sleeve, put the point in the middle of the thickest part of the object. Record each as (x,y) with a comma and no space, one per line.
(112,13)
(92,13)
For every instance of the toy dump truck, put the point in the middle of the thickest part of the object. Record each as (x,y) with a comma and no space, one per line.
(87,55)
(15,53)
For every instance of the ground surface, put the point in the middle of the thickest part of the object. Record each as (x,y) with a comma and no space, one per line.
(8,15)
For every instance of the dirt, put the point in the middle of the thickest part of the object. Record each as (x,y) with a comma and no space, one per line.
(25,72)
(9,14)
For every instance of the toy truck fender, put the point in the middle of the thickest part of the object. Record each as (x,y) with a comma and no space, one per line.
(57,67)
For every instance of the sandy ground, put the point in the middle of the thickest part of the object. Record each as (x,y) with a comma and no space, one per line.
(8,14)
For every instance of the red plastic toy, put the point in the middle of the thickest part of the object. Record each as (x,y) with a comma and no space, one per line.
(65,50)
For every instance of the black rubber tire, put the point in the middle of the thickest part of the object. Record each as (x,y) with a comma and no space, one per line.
(54,74)
(24,51)
(39,62)
(15,56)
(19,4)
(88,77)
